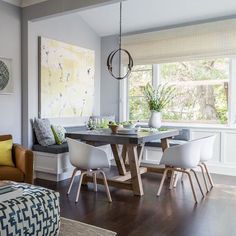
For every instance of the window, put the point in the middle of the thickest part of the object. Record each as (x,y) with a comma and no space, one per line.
(139,77)
(201,90)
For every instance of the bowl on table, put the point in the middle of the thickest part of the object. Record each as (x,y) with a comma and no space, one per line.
(114,128)
(129,126)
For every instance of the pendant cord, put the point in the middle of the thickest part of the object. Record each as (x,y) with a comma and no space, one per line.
(120,38)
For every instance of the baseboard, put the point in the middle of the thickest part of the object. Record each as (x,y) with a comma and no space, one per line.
(54,177)
(222,169)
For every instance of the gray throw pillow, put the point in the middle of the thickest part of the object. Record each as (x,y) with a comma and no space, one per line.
(44,132)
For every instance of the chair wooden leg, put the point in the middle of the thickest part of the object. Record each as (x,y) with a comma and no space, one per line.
(208,175)
(199,185)
(182,178)
(176,179)
(162,182)
(204,177)
(79,187)
(95,181)
(172,178)
(191,183)
(106,186)
(72,180)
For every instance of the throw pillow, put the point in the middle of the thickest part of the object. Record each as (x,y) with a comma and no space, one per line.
(43,132)
(59,134)
(6,153)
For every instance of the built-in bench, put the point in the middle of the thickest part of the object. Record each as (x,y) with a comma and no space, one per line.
(52,162)
(183,137)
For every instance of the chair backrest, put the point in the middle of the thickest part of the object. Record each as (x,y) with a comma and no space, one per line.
(5,137)
(85,156)
(184,156)
(207,148)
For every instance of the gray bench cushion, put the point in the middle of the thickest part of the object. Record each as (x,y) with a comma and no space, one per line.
(57,149)
(183,137)
(54,149)
(158,143)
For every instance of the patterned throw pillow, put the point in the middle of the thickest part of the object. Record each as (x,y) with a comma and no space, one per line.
(43,132)
(59,134)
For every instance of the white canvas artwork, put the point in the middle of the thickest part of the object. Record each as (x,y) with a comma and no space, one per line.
(66,79)
(6,81)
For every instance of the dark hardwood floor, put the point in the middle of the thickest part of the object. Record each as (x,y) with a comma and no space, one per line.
(173,213)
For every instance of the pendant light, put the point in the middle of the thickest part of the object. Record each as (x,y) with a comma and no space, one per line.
(119,51)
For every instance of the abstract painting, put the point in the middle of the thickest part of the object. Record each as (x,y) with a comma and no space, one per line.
(66,79)
(6,83)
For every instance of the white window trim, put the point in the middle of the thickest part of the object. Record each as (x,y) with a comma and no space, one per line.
(123,105)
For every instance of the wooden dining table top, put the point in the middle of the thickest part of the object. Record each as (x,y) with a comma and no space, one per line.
(105,135)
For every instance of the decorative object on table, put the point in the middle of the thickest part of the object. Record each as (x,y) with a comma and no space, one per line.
(66,74)
(119,51)
(43,132)
(37,212)
(59,134)
(75,228)
(113,126)
(157,100)
(6,81)
(91,123)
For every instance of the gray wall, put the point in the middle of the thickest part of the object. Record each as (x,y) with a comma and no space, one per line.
(32,13)
(70,29)
(109,85)
(10,40)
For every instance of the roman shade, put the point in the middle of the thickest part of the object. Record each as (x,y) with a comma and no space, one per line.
(213,39)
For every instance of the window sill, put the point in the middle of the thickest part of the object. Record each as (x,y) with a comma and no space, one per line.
(194,125)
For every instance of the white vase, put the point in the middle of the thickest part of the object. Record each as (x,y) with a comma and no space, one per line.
(155,120)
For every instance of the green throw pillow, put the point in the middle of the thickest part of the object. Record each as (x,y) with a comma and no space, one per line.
(59,134)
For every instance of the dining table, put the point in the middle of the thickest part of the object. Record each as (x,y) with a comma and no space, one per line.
(127,150)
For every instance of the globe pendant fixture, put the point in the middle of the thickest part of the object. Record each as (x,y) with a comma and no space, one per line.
(119,51)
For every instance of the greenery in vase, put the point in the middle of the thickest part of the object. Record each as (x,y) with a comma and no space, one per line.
(158,98)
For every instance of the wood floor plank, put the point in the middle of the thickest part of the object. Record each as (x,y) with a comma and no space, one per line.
(174,213)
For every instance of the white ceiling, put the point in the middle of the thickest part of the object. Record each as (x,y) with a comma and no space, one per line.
(141,15)
(24,3)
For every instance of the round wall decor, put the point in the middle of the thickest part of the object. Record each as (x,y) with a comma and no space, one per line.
(4,75)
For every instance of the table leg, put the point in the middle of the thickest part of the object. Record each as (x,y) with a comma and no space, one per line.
(164,144)
(124,154)
(134,170)
(118,159)
(140,149)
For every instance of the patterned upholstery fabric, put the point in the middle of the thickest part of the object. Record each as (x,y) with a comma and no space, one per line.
(37,212)
(44,132)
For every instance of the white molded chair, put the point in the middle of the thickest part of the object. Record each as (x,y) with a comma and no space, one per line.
(182,158)
(87,159)
(207,154)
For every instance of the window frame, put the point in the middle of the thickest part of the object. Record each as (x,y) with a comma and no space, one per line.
(124,97)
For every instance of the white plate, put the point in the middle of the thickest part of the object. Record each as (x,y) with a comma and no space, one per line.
(126,131)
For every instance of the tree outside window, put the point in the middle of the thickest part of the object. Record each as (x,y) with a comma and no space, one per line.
(201,90)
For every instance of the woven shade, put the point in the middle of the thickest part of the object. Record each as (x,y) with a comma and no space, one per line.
(214,39)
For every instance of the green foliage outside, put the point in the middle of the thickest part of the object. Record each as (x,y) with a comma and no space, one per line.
(201,91)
